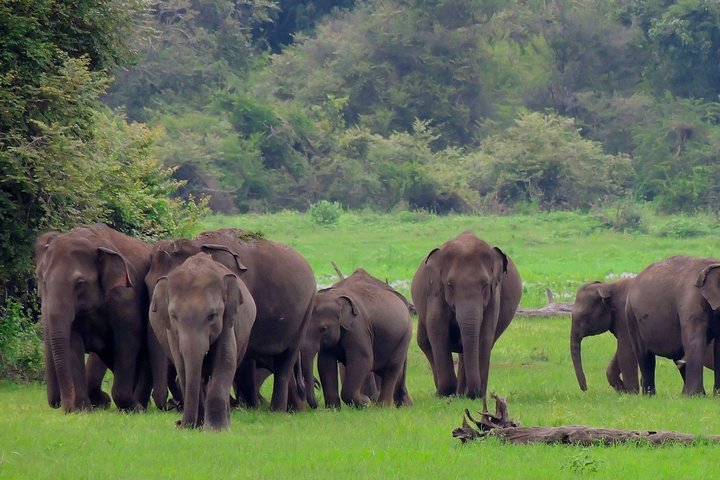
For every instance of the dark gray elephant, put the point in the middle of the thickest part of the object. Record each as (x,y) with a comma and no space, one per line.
(365,325)
(93,299)
(600,307)
(466,293)
(202,314)
(283,286)
(672,310)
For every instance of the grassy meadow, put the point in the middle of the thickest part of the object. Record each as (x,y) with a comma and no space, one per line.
(531,367)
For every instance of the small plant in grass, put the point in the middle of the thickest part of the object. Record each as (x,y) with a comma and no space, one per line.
(326,213)
(582,462)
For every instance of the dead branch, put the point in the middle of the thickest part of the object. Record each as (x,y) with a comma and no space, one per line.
(557,309)
(501,426)
(337,270)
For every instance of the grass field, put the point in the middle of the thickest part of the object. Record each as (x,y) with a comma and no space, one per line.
(531,367)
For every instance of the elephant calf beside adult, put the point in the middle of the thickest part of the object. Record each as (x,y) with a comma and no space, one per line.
(466,293)
(364,324)
(672,310)
(202,314)
(93,299)
(283,286)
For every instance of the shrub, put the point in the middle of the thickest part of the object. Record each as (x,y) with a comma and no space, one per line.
(683,227)
(325,213)
(21,350)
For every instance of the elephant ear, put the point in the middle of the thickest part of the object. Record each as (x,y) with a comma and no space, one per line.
(114,269)
(501,261)
(436,249)
(605,293)
(41,246)
(212,248)
(159,298)
(233,298)
(709,284)
(347,319)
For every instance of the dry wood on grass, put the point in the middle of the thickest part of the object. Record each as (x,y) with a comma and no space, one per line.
(500,425)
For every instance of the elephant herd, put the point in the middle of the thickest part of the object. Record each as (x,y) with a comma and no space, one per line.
(209,319)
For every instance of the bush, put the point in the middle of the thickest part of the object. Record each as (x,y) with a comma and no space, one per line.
(325,213)
(21,349)
(622,218)
(683,227)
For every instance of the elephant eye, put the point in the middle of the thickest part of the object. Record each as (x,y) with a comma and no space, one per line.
(323,328)
(80,283)
(450,284)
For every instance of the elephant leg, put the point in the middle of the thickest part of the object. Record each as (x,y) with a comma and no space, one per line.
(51,380)
(694,339)
(159,368)
(612,372)
(645,359)
(461,383)
(295,402)
(95,370)
(77,366)
(402,396)
(370,387)
(126,358)
(174,387)
(328,371)
(647,370)
(282,371)
(245,383)
(390,377)
(217,405)
(444,368)
(356,371)
(424,343)
(627,363)
(716,361)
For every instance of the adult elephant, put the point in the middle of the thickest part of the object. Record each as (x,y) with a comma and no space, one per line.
(90,282)
(202,314)
(283,286)
(600,307)
(672,311)
(364,324)
(466,293)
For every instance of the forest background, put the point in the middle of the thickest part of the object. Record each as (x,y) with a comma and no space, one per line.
(148,114)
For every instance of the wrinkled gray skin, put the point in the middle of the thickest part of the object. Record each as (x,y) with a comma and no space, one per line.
(466,293)
(283,286)
(202,314)
(598,308)
(364,324)
(93,299)
(672,311)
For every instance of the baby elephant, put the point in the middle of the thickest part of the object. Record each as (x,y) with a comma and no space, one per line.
(364,324)
(209,315)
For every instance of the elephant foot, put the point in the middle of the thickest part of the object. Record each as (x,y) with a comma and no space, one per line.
(358,401)
(82,405)
(173,404)
(100,399)
(54,403)
(135,407)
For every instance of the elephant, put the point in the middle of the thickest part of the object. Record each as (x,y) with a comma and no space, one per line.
(364,324)
(283,286)
(202,314)
(466,293)
(92,300)
(672,311)
(599,307)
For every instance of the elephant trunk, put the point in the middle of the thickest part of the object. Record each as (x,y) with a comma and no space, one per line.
(193,352)
(470,320)
(575,352)
(307,356)
(58,322)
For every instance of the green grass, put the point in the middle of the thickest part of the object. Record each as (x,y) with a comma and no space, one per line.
(531,367)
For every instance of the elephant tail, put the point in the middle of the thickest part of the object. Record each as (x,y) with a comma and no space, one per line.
(299,379)
(402,396)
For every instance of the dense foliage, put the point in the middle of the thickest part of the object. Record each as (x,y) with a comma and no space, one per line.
(66,159)
(386,104)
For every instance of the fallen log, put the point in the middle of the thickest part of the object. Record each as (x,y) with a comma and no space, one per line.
(500,425)
(552,309)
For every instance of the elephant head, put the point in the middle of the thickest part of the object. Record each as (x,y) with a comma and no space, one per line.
(200,298)
(591,315)
(468,274)
(76,271)
(335,311)
(709,284)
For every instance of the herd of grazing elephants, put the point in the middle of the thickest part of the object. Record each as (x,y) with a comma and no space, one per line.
(209,319)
